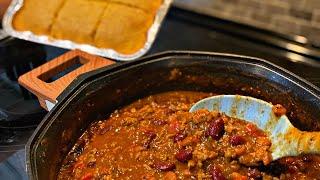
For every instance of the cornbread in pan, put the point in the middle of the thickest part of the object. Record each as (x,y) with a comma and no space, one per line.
(78,19)
(37,16)
(123,28)
(147,5)
(121,25)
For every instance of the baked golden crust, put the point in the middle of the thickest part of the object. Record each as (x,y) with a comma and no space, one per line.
(121,25)
(150,6)
(77,20)
(37,15)
(123,29)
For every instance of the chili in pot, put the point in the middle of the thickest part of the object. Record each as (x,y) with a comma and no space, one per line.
(157,138)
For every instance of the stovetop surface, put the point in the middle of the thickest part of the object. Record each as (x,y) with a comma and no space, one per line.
(182,30)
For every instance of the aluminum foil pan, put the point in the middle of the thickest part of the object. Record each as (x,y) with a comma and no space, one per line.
(3,34)
(109,53)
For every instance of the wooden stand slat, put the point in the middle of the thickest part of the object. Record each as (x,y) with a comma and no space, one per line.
(37,80)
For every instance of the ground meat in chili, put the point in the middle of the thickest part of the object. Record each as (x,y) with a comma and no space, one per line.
(157,138)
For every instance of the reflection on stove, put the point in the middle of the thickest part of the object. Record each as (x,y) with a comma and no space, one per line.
(14,168)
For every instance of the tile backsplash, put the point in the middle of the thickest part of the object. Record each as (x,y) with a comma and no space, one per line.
(297,17)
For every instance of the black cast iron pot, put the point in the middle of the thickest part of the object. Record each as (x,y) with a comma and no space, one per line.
(95,95)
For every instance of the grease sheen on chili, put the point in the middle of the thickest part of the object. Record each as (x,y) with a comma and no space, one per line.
(157,138)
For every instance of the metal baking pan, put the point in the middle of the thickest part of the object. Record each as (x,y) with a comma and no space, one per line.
(110,53)
(94,95)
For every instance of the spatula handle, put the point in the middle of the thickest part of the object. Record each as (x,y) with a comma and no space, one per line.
(38,80)
(295,142)
(309,142)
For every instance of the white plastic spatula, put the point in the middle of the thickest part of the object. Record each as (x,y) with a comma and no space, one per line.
(285,138)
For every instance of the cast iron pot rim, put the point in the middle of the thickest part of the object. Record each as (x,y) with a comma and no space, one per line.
(79,83)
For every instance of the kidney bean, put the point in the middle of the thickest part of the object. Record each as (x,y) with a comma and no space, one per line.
(216,129)
(216,173)
(254,174)
(184,155)
(237,140)
(150,137)
(179,137)
(163,166)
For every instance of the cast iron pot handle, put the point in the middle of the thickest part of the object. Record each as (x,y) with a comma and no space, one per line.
(39,81)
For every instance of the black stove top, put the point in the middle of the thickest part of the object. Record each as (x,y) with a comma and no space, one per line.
(182,30)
